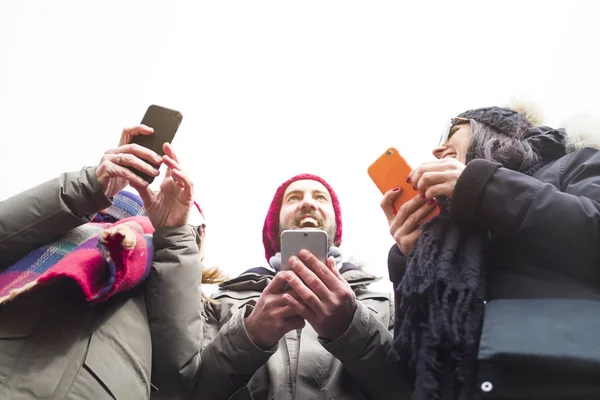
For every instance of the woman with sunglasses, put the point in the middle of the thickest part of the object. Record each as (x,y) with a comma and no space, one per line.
(499,296)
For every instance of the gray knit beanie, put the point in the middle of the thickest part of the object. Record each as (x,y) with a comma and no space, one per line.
(502,120)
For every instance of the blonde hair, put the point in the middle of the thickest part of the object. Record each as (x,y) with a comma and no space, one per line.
(212,275)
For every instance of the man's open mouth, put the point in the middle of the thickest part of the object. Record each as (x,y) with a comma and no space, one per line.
(308,222)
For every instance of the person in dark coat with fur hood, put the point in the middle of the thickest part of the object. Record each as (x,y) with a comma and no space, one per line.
(499,296)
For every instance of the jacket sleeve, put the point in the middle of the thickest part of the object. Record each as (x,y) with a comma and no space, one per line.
(396,269)
(230,360)
(396,265)
(558,222)
(366,350)
(43,213)
(174,301)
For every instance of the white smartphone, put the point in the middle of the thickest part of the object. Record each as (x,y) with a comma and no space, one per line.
(294,240)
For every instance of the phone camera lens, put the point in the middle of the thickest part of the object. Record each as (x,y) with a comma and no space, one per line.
(305,234)
(177,116)
(390,152)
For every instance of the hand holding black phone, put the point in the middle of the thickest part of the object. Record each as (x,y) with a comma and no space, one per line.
(165,123)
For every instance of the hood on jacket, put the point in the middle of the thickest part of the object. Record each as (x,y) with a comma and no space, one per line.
(583,130)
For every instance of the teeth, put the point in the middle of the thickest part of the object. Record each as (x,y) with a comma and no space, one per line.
(308,222)
(453,155)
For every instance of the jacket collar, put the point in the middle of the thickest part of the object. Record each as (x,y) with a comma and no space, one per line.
(258,278)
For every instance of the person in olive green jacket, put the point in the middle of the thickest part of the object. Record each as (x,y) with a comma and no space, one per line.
(328,337)
(52,344)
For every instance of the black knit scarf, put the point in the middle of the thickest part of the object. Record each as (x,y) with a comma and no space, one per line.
(440,310)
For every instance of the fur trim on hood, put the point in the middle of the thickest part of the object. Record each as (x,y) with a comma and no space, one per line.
(529,110)
(583,130)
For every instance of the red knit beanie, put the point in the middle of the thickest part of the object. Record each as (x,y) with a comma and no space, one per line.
(271,225)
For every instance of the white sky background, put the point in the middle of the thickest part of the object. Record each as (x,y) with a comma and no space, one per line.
(271,89)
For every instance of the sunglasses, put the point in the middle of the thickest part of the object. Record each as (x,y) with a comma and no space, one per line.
(451,124)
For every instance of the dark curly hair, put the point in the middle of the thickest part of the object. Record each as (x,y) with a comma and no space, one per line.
(511,152)
(498,134)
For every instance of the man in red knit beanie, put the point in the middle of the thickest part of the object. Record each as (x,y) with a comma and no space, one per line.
(273,225)
(313,332)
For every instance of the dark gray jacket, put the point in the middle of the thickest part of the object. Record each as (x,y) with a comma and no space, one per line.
(53,345)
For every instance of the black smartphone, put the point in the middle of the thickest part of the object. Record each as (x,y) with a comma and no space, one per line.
(165,123)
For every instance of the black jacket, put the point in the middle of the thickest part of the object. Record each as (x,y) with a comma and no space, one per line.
(544,235)
(544,229)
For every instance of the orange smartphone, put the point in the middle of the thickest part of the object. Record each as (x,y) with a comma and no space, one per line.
(389,172)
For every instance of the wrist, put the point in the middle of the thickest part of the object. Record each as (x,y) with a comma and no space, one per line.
(104,182)
(84,186)
(340,329)
(255,336)
(176,218)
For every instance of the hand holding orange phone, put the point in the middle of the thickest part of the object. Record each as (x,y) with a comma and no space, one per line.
(389,172)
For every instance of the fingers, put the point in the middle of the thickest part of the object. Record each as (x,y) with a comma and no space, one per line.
(309,298)
(273,300)
(407,242)
(140,129)
(171,163)
(322,271)
(278,283)
(178,175)
(291,292)
(436,165)
(387,203)
(169,151)
(438,183)
(309,278)
(109,168)
(116,162)
(282,309)
(406,210)
(423,212)
(276,303)
(138,151)
(170,158)
(411,217)
(183,180)
(333,268)
(429,179)
(129,160)
(299,308)
(441,165)
(128,133)
(145,193)
(443,189)
(406,228)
